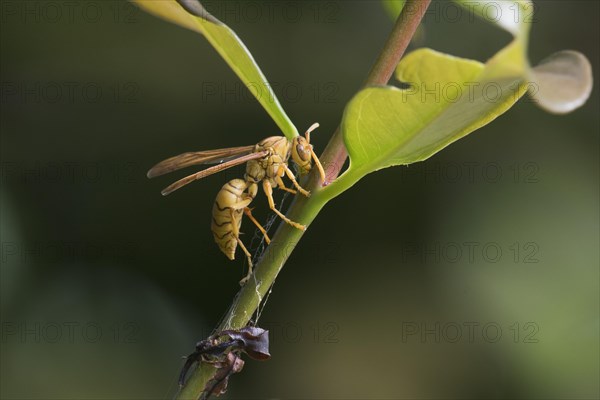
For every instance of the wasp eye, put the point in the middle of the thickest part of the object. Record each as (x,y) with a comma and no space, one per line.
(303,153)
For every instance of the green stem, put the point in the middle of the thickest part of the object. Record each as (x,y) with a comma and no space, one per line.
(304,210)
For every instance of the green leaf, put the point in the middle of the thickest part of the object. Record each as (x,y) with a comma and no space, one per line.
(448,98)
(192,15)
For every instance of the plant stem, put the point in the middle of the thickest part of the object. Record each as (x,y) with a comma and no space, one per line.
(304,210)
(334,156)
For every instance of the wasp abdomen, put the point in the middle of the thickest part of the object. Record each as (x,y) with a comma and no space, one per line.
(227,216)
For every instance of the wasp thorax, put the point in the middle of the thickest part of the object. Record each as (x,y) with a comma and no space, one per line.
(301,154)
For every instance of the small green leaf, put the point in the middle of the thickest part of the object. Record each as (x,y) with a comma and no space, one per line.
(192,15)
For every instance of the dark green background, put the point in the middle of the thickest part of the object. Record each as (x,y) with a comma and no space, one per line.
(89,243)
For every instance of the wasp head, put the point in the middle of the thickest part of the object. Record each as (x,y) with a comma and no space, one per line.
(301,154)
(302,151)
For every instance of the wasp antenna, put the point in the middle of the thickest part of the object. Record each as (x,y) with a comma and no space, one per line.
(309,130)
(312,127)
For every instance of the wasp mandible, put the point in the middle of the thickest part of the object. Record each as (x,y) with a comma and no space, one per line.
(267,162)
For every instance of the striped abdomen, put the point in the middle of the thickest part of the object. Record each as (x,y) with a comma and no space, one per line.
(227,216)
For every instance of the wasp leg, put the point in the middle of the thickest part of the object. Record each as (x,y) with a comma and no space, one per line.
(269,193)
(319,166)
(248,213)
(236,235)
(247,277)
(290,175)
(249,256)
(281,185)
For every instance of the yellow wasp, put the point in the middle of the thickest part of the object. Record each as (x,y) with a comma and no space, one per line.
(267,162)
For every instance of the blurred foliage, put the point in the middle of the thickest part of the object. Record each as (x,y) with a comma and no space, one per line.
(86,239)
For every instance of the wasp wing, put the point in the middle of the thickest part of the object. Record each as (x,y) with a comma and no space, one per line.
(197,157)
(213,170)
